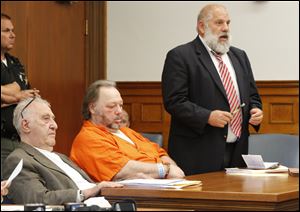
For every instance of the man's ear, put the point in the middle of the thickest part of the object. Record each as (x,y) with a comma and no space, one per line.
(201,27)
(92,108)
(25,126)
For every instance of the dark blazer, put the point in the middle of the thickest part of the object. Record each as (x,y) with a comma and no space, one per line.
(191,89)
(40,180)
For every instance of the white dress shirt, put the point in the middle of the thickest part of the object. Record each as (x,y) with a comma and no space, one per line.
(77,178)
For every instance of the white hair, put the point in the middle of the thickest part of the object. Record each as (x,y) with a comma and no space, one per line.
(17,118)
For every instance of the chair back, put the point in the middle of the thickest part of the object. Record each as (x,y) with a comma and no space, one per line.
(154,137)
(280,148)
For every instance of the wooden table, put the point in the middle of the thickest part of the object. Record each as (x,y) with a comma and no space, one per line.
(219,191)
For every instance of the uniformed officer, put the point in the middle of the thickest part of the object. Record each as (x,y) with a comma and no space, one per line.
(14,87)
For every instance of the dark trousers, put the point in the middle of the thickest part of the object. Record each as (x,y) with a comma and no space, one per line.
(229,148)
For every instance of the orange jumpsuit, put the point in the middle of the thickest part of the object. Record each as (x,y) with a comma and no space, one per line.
(102,155)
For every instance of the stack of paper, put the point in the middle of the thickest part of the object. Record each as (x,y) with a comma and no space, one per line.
(164,183)
(256,162)
(186,183)
(280,169)
(256,165)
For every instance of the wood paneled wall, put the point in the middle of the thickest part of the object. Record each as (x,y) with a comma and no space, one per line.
(143,102)
(62,45)
(50,41)
(280,106)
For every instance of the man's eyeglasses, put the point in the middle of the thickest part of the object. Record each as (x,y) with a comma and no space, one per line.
(27,106)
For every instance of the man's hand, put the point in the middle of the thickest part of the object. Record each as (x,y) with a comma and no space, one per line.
(92,192)
(256,116)
(175,172)
(24,94)
(12,94)
(4,189)
(218,118)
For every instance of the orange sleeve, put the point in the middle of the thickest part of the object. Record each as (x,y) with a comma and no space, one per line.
(97,155)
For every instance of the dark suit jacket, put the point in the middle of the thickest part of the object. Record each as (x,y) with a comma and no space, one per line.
(191,89)
(40,180)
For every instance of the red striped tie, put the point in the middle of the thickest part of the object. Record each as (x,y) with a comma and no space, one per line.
(234,101)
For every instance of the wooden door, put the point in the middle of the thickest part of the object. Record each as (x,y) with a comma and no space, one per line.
(51,44)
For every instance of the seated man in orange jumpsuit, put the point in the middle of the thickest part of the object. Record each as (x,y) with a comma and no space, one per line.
(107,151)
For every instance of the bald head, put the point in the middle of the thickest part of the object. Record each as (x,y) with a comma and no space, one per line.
(206,12)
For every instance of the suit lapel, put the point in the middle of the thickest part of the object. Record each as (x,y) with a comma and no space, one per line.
(209,65)
(40,158)
(43,160)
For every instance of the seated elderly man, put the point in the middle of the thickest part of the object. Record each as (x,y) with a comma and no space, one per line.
(107,151)
(46,177)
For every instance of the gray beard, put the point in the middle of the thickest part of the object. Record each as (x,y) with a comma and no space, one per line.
(212,41)
(114,126)
(103,120)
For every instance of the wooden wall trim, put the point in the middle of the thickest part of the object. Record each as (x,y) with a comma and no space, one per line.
(277,84)
(143,102)
(96,41)
(278,88)
(140,88)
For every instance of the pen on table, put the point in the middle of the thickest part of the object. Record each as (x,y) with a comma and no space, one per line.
(274,166)
(238,108)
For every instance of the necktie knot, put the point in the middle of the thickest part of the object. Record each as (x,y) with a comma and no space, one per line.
(217,56)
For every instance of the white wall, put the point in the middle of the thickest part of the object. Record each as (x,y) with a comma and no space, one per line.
(141,33)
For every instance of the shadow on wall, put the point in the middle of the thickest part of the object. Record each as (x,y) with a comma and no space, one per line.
(280,148)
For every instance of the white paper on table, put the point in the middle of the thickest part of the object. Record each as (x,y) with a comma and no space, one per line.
(12,207)
(150,182)
(16,171)
(162,183)
(256,162)
(280,169)
(99,201)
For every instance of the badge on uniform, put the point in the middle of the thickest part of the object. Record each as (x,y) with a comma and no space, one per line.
(23,78)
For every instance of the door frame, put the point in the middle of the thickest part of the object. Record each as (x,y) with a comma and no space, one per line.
(96,42)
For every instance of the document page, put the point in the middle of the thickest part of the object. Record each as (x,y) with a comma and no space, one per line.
(99,201)
(256,162)
(164,183)
(15,172)
(280,169)
(151,182)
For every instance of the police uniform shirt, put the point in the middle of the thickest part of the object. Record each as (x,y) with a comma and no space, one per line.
(12,72)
